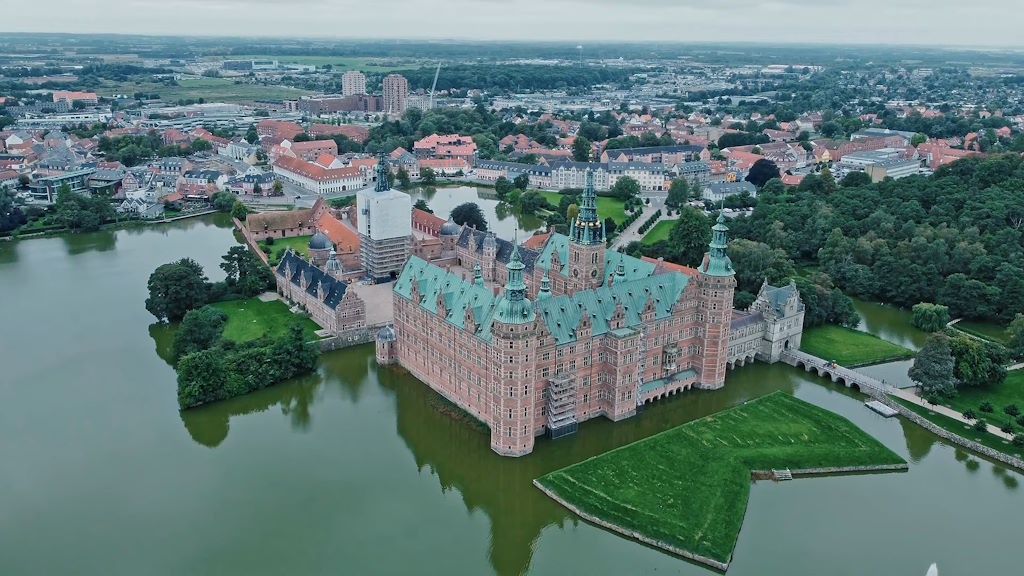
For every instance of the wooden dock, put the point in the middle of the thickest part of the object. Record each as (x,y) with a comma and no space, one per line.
(881,408)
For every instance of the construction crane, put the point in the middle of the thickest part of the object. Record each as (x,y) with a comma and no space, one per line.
(434,86)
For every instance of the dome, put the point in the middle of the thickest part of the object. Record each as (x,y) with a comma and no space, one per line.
(320,241)
(450,228)
(386,334)
(489,241)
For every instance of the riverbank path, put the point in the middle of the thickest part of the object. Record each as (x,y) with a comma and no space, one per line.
(910,395)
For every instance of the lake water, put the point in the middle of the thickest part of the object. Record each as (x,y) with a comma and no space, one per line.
(353,470)
(501,218)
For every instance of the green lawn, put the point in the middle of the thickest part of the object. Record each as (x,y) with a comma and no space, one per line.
(659,232)
(986,330)
(252,318)
(851,347)
(963,428)
(606,206)
(274,252)
(210,89)
(688,486)
(1009,392)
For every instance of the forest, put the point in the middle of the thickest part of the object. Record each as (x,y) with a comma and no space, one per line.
(953,238)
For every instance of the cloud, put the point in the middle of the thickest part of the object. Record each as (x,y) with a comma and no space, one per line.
(939,22)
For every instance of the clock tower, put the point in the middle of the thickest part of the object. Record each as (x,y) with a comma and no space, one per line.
(586,243)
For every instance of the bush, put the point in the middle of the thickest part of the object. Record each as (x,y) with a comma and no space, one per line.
(269,241)
(1012,410)
(969,415)
(1018,440)
(986,407)
(1007,428)
(980,425)
(1020,420)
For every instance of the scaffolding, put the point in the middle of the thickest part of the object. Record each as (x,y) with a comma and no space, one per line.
(561,406)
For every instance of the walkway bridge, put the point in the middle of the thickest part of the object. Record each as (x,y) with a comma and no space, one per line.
(851,378)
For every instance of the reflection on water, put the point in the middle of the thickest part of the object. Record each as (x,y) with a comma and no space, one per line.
(501,218)
(102,241)
(889,323)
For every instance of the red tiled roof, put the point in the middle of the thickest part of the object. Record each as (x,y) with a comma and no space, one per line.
(537,241)
(671,266)
(315,171)
(344,238)
(425,220)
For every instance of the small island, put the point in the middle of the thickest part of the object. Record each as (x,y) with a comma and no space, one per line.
(685,490)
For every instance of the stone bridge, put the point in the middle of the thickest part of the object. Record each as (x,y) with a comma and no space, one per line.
(850,378)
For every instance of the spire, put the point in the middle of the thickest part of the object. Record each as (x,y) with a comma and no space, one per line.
(587,228)
(515,289)
(718,263)
(478,276)
(382,173)
(545,288)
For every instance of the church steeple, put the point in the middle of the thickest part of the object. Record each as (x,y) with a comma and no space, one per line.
(587,228)
(382,173)
(515,289)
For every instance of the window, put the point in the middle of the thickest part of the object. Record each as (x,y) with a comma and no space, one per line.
(586,397)
(525,409)
(511,392)
(526,390)
(509,413)
(545,356)
(586,381)
(509,433)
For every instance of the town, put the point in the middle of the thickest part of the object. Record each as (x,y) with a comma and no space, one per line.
(634,284)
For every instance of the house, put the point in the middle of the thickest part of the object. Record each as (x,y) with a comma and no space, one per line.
(718,191)
(8,179)
(141,208)
(446,146)
(444,166)
(656,154)
(317,179)
(352,132)
(311,149)
(252,182)
(170,166)
(240,150)
(71,97)
(278,128)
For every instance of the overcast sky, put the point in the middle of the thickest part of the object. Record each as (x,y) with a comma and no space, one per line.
(938,22)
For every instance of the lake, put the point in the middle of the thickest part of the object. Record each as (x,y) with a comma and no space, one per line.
(354,470)
(501,218)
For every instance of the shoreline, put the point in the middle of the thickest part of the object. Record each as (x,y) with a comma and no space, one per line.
(110,226)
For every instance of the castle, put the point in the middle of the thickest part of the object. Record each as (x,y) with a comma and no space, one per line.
(576,331)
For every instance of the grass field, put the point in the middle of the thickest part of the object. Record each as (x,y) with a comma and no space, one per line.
(274,252)
(851,347)
(1009,392)
(252,318)
(606,206)
(659,232)
(962,428)
(210,89)
(985,330)
(688,486)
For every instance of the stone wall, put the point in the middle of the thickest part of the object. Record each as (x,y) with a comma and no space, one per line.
(354,337)
(249,239)
(950,436)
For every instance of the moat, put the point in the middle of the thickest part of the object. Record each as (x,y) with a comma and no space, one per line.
(355,469)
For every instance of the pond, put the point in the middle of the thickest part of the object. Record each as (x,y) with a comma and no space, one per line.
(356,470)
(501,218)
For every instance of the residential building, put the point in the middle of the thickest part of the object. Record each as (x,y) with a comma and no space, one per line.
(353,82)
(718,191)
(396,90)
(70,97)
(316,178)
(310,150)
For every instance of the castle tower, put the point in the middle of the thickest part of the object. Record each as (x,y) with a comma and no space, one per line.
(586,243)
(716,281)
(385,227)
(514,334)
(386,346)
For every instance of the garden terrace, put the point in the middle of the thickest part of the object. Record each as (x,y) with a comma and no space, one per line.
(850,348)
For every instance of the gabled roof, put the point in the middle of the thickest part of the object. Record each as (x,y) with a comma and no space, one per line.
(559,243)
(504,248)
(300,270)
(459,295)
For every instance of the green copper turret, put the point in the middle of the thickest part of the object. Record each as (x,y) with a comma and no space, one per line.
(382,173)
(587,228)
(514,307)
(718,263)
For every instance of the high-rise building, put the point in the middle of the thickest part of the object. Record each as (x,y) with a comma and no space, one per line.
(396,91)
(353,83)
(385,226)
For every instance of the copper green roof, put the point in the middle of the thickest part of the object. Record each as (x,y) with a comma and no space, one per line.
(457,294)
(562,314)
(633,268)
(655,384)
(717,262)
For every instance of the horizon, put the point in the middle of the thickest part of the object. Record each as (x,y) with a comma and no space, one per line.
(911,23)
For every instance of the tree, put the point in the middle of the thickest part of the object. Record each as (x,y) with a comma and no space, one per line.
(571,212)
(930,317)
(502,186)
(222,201)
(761,172)
(918,139)
(827,180)
(678,193)
(688,239)
(245,273)
(755,262)
(257,189)
(200,329)
(469,214)
(403,177)
(581,149)
(251,135)
(610,225)
(1016,331)
(522,181)
(855,180)
(239,211)
(176,288)
(625,188)
(277,188)
(978,363)
(933,369)
(421,204)
(427,176)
